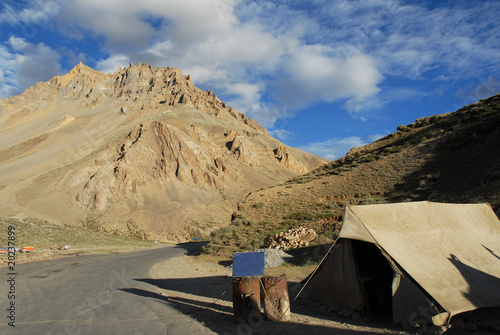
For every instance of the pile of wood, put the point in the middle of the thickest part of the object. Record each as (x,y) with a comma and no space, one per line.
(292,238)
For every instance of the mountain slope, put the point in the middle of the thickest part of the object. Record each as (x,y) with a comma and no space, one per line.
(453,157)
(138,152)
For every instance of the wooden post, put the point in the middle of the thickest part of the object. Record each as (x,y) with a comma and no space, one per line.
(246,297)
(276,300)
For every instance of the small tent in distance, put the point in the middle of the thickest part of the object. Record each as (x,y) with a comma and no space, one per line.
(421,262)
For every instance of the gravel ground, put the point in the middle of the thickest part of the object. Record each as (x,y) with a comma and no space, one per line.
(202,288)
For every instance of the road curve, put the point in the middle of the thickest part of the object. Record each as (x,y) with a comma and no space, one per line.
(92,294)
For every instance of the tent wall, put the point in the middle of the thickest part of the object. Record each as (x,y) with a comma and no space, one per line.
(335,284)
(410,306)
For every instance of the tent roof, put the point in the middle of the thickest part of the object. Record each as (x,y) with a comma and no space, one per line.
(451,250)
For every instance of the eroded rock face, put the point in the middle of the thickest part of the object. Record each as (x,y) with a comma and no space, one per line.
(287,160)
(153,153)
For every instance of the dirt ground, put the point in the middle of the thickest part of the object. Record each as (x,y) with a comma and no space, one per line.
(202,288)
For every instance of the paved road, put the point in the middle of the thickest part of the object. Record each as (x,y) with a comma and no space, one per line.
(93,294)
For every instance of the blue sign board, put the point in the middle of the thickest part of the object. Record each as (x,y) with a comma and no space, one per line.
(248,264)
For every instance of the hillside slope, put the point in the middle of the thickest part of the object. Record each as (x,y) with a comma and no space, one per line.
(452,157)
(140,152)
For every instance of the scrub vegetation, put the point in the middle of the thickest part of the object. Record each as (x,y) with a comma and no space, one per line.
(453,157)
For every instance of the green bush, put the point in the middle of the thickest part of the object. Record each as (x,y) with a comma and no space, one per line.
(259,205)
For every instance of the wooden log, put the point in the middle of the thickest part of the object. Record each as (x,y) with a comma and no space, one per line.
(246,297)
(276,299)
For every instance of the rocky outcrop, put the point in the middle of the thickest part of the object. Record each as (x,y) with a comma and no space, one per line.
(287,160)
(242,149)
(153,153)
(162,87)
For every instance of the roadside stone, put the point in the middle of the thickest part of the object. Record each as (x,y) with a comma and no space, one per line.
(274,257)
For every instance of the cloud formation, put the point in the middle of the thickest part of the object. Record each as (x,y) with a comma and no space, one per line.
(316,73)
(33,62)
(24,64)
(237,47)
(271,59)
(337,147)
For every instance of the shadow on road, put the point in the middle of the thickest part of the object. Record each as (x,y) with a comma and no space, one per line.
(215,287)
(192,248)
(219,318)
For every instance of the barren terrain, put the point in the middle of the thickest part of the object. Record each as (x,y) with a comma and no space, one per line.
(141,152)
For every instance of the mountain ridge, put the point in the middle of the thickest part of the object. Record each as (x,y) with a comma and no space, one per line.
(127,150)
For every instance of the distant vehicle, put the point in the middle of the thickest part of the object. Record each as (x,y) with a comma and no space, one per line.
(64,247)
(28,249)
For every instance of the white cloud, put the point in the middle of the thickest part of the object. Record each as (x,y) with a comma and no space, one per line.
(266,114)
(111,64)
(118,21)
(212,74)
(7,75)
(281,134)
(159,50)
(316,73)
(236,55)
(130,24)
(224,44)
(18,44)
(194,21)
(336,148)
(7,89)
(387,95)
(272,59)
(418,40)
(408,39)
(24,64)
(37,11)
(485,87)
(247,93)
(33,62)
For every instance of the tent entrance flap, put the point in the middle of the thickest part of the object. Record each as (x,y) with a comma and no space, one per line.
(375,277)
(335,284)
(355,276)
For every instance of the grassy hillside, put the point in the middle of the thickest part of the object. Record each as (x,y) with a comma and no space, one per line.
(452,157)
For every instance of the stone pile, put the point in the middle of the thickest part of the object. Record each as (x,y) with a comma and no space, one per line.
(292,238)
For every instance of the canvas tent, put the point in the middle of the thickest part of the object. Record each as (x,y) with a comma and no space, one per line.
(421,261)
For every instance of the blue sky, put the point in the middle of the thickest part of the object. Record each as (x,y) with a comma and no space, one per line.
(320,75)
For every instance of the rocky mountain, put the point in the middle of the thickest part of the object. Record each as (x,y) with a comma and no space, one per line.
(453,157)
(140,152)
